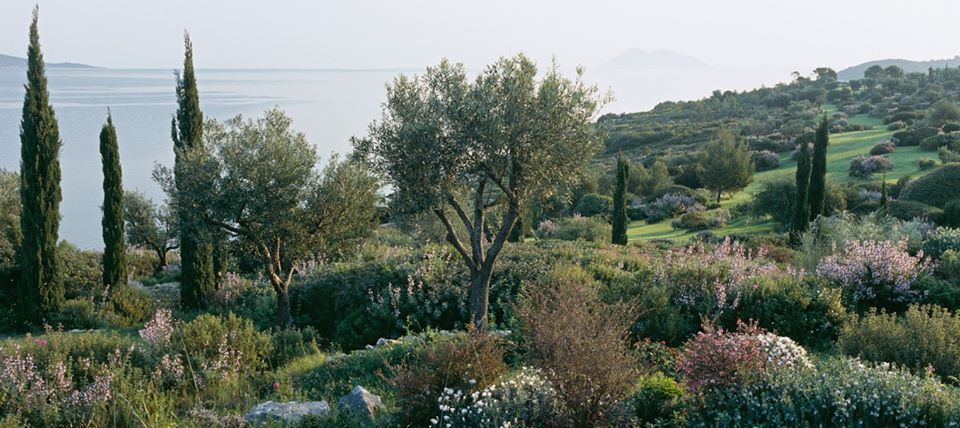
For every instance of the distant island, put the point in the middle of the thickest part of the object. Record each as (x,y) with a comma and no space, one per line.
(7,61)
(908,66)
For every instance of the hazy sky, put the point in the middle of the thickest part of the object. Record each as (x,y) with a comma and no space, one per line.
(414,33)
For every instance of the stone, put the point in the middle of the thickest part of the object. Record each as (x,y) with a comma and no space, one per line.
(290,412)
(361,402)
(384,342)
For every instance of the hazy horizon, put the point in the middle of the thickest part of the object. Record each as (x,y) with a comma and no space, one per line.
(413,34)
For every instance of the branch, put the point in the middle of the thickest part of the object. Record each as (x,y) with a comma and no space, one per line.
(460,213)
(454,240)
(501,237)
(511,195)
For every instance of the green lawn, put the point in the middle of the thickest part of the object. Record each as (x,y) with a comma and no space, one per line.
(843,148)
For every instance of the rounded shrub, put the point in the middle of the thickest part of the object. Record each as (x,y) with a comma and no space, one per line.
(655,399)
(594,204)
(765,160)
(951,214)
(936,188)
(909,210)
(882,148)
(926,163)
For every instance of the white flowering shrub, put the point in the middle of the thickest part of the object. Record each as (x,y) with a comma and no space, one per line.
(880,271)
(524,400)
(782,351)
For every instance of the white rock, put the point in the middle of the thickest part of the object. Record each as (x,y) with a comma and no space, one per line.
(362,402)
(292,411)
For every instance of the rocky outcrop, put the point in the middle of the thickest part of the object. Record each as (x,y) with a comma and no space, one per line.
(361,402)
(290,412)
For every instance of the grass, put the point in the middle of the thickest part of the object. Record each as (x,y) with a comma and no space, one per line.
(843,148)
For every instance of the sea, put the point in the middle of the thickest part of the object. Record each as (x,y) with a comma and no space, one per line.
(329,106)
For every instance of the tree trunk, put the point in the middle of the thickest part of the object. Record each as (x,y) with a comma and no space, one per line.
(283,306)
(161,261)
(718,196)
(480,297)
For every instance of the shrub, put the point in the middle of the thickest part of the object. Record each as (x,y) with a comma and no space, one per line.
(808,313)
(580,343)
(839,393)
(575,228)
(778,199)
(865,166)
(128,306)
(924,338)
(875,272)
(715,358)
(677,189)
(896,126)
(698,220)
(82,272)
(909,210)
(77,314)
(935,142)
(936,188)
(951,214)
(882,148)
(656,399)
(765,160)
(468,363)
(940,241)
(593,204)
(290,344)
(669,205)
(527,399)
(223,346)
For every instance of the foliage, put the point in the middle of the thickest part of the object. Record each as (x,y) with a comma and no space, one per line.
(909,210)
(806,312)
(936,188)
(951,214)
(669,205)
(151,227)
(801,206)
(223,346)
(464,364)
(656,399)
(865,166)
(924,339)
(875,272)
(942,112)
(698,220)
(114,253)
(816,193)
(580,343)
(9,218)
(766,160)
(526,399)
(716,358)
(882,148)
(778,199)
(940,241)
(726,165)
(41,280)
(840,393)
(620,220)
(594,204)
(575,228)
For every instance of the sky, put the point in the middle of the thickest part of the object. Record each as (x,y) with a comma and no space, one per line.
(406,34)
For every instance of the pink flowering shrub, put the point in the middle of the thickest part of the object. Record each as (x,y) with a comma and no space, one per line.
(711,281)
(875,271)
(158,331)
(715,357)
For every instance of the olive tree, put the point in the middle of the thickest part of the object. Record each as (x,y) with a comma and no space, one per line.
(460,147)
(256,180)
(151,227)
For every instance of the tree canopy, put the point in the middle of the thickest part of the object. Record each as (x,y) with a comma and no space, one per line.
(726,164)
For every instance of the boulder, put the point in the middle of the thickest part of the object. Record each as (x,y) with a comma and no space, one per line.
(384,342)
(361,402)
(290,412)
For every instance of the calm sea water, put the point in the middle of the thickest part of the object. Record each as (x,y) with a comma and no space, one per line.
(328,106)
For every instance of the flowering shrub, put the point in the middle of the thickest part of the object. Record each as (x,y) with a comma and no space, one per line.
(717,358)
(575,228)
(158,331)
(668,206)
(711,281)
(875,271)
(843,393)
(940,241)
(525,400)
(865,166)
(882,148)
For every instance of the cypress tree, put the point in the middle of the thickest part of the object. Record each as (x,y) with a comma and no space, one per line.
(41,280)
(196,253)
(818,171)
(801,212)
(114,246)
(620,202)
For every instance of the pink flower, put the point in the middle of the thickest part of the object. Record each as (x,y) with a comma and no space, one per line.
(276,385)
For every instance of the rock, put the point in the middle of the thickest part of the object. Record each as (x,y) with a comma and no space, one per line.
(291,412)
(362,402)
(384,342)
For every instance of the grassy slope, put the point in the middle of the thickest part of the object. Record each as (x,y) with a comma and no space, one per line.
(843,148)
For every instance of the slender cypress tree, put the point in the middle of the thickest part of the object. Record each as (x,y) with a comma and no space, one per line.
(818,171)
(41,281)
(114,246)
(620,202)
(196,253)
(801,212)
(884,202)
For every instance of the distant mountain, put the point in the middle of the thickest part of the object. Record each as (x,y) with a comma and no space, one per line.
(856,72)
(7,61)
(639,59)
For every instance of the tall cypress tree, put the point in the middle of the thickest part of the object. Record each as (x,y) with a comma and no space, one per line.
(818,171)
(114,246)
(620,202)
(196,253)
(801,211)
(41,281)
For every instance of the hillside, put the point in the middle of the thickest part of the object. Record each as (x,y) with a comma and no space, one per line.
(7,61)
(908,66)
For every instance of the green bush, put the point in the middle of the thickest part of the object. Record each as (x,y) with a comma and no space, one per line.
(941,292)
(951,214)
(575,229)
(140,263)
(290,344)
(128,306)
(656,400)
(882,148)
(937,141)
(209,339)
(909,210)
(82,272)
(840,393)
(936,188)
(77,314)
(941,240)
(924,336)
(679,190)
(594,204)
(778,199)
(925,163)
